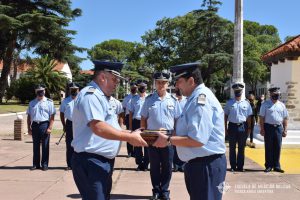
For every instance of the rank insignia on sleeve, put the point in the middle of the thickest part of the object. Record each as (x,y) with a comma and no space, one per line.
(201,99)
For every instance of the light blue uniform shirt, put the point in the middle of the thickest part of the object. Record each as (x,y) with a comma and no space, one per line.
(202,120)
(161,113)
(42,110)
(92,104)
(136,105)
(182,102)
(126,102)
(273,113)
(116,105)
(237,111)
(69,109)
(63,104)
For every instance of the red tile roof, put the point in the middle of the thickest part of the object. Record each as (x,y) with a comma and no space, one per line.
(289,49)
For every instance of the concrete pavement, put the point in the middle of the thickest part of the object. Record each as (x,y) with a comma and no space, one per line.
(17,182)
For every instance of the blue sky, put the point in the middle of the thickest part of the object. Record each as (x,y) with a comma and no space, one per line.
(129,19)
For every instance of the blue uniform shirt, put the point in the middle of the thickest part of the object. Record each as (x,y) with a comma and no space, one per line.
(126,102)
(161,113)
(274,113)
(202,120)
(62,107)
(69,109)
(92,104)
(136,105)
(116,105)
(182,102)
(237,111)
(42,110)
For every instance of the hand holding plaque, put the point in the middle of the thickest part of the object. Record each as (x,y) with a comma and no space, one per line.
(150,136)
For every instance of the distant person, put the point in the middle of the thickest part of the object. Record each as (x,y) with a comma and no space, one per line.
(126,103)
(259,102)
(273,126)
(238,113)
(66,112)
(40,119)
(251,99)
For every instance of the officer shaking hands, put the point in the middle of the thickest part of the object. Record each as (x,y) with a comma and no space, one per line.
(273,126)
(238,112)
(40,118)
(97,133)
(160,111)
(200,135)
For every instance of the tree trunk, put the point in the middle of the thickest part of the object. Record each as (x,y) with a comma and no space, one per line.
(7,62)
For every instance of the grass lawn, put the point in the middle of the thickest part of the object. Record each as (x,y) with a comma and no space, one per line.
(12,108)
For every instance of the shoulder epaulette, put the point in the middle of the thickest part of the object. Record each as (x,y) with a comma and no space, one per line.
(201,99)
(174,97)
(91,90)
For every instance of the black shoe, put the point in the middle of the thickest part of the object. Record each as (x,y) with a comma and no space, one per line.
(278,170)
(155,196)
(45,168)
(268,169)
(164,197)
(232,169)
(34,168)
(140,168)
(240,170)
(175,169)
(68,168)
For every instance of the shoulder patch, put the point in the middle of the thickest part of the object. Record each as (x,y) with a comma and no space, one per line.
(91,90)
(201,99)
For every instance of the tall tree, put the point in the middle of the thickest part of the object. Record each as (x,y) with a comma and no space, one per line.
(35,25)
(200,35)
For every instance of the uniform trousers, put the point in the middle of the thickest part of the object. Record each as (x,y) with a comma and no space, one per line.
(237,134)
(40,136)
(205,176)
(141,159)
(161,169)
(93,175)
(69,138)
(273,140)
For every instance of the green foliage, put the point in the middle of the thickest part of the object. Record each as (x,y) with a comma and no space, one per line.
(82,79)
(44,72)
(287,38)
(258,40)
(24,89)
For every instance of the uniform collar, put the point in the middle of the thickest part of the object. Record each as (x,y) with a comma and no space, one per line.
(195,92)
(167,96)
(94,84)
(43,99)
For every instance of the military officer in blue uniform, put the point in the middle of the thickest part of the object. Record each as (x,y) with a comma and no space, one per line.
(238,113)
(40,118)
(273,126)
(200,135)
(97,134)
(178,165)
(126,104)
(66,112)
(117,106)
(160,111)
(135,108)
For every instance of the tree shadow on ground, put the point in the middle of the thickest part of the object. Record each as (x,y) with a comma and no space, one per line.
(74,196)
(127,196)
(27,168)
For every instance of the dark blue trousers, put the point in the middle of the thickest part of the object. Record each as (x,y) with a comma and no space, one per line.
(69,138)
(204,175)
(237,134)
(141,159)
(40,136)
(176,161)
(130,150)
(273,140)
(161,169)
(93,175)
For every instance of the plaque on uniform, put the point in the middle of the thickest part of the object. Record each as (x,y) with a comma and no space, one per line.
(150,136)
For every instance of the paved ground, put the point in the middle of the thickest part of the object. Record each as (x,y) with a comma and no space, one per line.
(17,182)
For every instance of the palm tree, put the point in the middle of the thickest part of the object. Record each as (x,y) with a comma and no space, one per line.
(44,72)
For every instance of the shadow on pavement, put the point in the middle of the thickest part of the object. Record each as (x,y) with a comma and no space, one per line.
(28,168)
(247,170)
(126,196)
(125,168)
(74,196)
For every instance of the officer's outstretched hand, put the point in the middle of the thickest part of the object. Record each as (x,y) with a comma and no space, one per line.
(137,140)
(161,140)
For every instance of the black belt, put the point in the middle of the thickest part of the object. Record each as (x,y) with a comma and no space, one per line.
(237,124)
(275,125)
(205,158)
(39,122)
